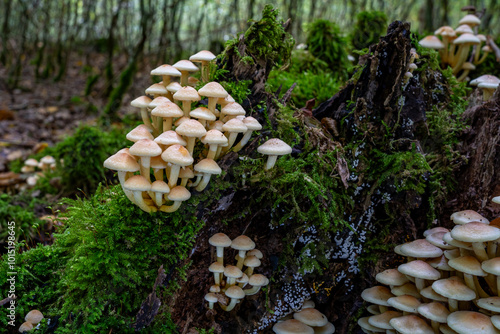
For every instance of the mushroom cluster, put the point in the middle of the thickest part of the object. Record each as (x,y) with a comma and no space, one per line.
(174,123)
(306,321)
(455,46)
(231,280)
(30,320)
(450,284)
(36,169)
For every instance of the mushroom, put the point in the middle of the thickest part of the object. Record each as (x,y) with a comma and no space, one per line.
(251,262)
(464,41)
(471,269)
(187,95)
(311,317)
(470,322)
(137,184)
(242,244)
(169,138)
(191,129)
(167,111)
(214,139)
(382,320)
(232,273)
(273,148)
(476,233)
(405,303)
(203,115)
(145,149)
(143,103)
(235,293)
(218,269)
(454,289)
(256,281)
(410,324)
(185,174)
(159,188)
(220,241)
(33,317)
(156,90)
(436,312)
(421,271)
(213,91)
(488,88)
(252,125)
(179,157)
(178,195)
(292,326)
(123,163)
(185,66)
(166,72)
(231,130)
(25,327)
(211,298)
(232,109)
(139,132)
(208,167)
(204,57)
(46,161)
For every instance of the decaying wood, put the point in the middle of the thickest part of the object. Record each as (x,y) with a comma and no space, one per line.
(151,305)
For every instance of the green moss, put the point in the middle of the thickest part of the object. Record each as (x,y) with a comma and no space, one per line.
(370,25)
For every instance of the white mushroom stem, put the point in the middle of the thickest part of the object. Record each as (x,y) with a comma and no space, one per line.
(212,103)
(419,283)
(241,258)
(204,182)
(145,165)
(171,208)
(140,202)
(492,248)
(480,251)
(243,141)
(463,75)
(212,151)
(158,198)
(452,305)
(186,107)
(249,271)
(173,176)
(483,58)
(231,281)
(122,177)
(231,138)
(451,55)
(217,278)
(167,124)
(252,291)
(231,305)
(145,118)
(190,144)
(184,78)
(198,179)
(271,161)
(220,254)
(158,173)
(205,69)
(463,51)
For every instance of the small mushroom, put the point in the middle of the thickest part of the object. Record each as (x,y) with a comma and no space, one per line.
(187,95)
(236,294)
(211,298)
(204,57)
(208,167)
(273,148)
(138,184)
(143,103)
(185,66)
(178,195)
(220,241)
(256,281)
(213,91)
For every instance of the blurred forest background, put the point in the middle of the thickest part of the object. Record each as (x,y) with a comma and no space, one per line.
(97,40)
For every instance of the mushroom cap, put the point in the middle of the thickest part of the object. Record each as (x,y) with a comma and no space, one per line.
(159,100)
(28,326)
(471,323)
(166,70)
(363,323)
(429,293)
(453,288)
(226,100)
(179,194)
(252,124)
(419,269)
(203,55)
(440,263)
(160,186)
(274,146)
(145,148)
(243,242)
(216,267)
(382,320)
(31,162)
(292,326)
(167,109)
(191,128)
(214,136)
(434,311)
(468,66)
(156,89)
(437,240)
(178,155)
(490,303)
(139,132)
(170,137)
(405,289)
(181,120)
(258,280)
(141,102)
(452,253)
(475,232)
(431,42)
(234,125)
(257,253)
(411,324)
(217,125)
(468,216)
(48,160)
(464,29)
(232,272)
(213,89)
(404,303)
(468,265)
(219,240)
(251,261)
(185,65)
(173,87)
(202,113)
(421,248)
(186,173)
(445,31)
(187,93)
(470,19)
(233,109)
(434,230)
(121,162)
(214,288)
(391,277)
(466,39)
(208,166)
(486,77)
(377,295)
(243,279)
(33,317)
(492,266)
(211,297)
(157,163)
(495,320)
(137,183)
(488,85)
(310,317)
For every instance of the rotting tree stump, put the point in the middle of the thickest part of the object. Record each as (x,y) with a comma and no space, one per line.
(382,113)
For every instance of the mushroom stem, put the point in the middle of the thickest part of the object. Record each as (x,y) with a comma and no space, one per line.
(158,173)
(184,78)
(205,69)
(452,305)
(241,258)
(271,160)
(252,291)
(186,107)
(158,198)
(463,75)
(212,102)
(145,118)
(480,251)
(167,124)
(231,305)
(212,151)
(145,164)
(483,58)
(173,176)
(204,182)
(220,255)
(171,208)
(230,141)
(140,202)
(122,177)
(190,144)
(243,141)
